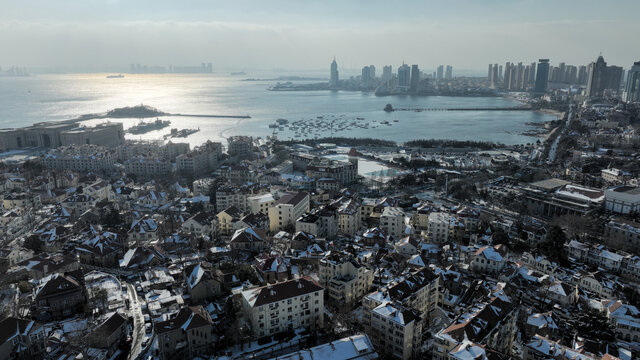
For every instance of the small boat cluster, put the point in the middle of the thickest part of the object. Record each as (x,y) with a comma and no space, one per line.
(322,125)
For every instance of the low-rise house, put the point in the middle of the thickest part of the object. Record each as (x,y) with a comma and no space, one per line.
(188,334)
(101,250)
(286,305)
(59,295)
(143,230)
(489,259)
(200,224)
(248,239)
(142,257)
(21,339)
(201,282)
(110,333)
(563,293)
(272,269)
(625,318)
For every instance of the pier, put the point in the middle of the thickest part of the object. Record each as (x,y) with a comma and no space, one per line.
(513,108)
(213,116)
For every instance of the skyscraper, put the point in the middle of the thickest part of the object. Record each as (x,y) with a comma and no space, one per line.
(415,77)
(448,74)
(582,75)
(532,73)
(506,80)
(404,76)
(632,88)
(366,76)
(542,77)
(387,73)
(440,72)
(495,78)
(334,74)
(597,78)
(372,72)
(490,73)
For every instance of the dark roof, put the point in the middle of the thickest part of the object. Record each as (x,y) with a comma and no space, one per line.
(11,326)
(285,290)
(203,217)
(187,318)
(233,211)
(58,283)
(411,284)
(292,199)
(110,325)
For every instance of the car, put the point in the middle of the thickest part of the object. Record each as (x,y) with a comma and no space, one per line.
(148,328)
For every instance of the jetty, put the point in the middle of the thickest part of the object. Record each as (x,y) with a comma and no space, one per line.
(512,108)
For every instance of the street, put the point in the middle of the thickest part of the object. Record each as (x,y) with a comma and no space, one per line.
(138,323)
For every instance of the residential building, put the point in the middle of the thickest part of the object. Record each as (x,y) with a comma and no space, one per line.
(345,279)
(285,305)
(188,334)
(287,209)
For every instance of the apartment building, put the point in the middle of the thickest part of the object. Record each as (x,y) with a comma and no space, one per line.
(392,221)
(286,305)
(287,209)
(345,279)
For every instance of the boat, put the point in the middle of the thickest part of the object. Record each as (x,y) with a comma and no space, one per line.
(119,76)
(384,122)
(360,118)
(145,127)
(396,120)
(273,126)
(180,133)
(282,121)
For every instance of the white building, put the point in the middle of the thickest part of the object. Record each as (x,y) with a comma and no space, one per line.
(392,221)
(439,225)
(622,199)
(286,305)
(287,209)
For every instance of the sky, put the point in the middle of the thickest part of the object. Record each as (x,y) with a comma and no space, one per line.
(306,35)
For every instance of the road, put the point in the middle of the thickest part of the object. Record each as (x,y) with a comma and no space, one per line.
(554,146)
(135,310)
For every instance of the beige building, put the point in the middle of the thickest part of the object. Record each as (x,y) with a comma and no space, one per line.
(82,158)
(346,280)
(286,305)
(287,209)
(260,203)
(105,134)
(147,166)
(239,145)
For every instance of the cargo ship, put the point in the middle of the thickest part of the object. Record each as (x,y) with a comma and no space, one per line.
(145,127)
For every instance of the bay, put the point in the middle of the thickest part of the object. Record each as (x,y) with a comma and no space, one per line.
(27,100)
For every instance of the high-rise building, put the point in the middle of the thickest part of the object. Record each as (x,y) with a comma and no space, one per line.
(448,74)
(404,76)
(597,78)
(542,77)
(366,76)
(532,73)
(614,78)
(500,76)
(582,75)
(415,77)
(387,73)
(490,73)
(372,72)
(440,72)
(334,74)
(506,80)
(495,77)
(632,88)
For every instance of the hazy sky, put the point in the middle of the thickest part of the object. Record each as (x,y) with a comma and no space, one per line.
(301,34)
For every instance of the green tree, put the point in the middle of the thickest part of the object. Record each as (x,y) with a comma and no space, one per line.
(553,246)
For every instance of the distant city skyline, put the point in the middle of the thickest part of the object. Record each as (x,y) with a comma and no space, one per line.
(303,36)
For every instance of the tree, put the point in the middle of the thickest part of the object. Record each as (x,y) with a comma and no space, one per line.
(33,243)
(594,325)
(553,246)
